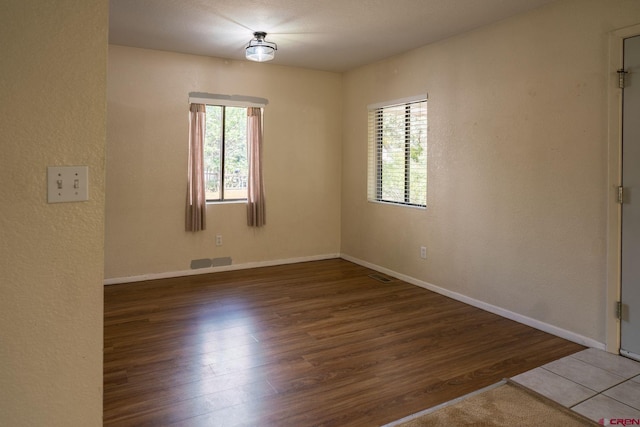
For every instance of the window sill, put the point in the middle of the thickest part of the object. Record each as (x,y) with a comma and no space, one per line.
(402,205)
(227,202)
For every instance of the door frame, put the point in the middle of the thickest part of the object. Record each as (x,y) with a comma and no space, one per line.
(614,179)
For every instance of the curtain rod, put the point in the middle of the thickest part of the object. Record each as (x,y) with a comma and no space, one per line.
(228,100)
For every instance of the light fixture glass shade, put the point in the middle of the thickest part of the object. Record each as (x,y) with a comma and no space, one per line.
(260,50)
(260,53)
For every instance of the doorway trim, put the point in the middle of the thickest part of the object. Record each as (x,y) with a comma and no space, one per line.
(614,179)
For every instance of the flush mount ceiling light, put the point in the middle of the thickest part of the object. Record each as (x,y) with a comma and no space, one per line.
(260,50)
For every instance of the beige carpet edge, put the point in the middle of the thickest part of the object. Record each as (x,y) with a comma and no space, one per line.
(551,402)
(444,405)
(531,393)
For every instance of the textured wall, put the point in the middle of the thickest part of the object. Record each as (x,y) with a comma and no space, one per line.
(147,163)
(52,112)
(517,180)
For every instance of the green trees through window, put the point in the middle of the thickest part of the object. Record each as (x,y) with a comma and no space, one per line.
(225,153)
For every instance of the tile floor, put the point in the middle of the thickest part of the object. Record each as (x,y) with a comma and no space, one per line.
(595,383)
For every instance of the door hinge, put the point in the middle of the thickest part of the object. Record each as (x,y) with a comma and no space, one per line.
(619,310)
(622,77)
(621,194)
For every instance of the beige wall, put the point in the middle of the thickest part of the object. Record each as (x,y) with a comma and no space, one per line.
(517,179)
(147,159)
(52,112)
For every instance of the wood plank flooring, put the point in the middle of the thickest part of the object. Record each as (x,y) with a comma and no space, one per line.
(310,344)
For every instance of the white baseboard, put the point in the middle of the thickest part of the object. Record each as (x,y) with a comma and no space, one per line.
(171,274)
(545,327)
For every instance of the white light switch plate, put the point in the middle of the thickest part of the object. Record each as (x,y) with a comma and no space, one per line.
(67,184)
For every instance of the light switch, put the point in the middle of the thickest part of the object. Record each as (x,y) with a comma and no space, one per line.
(67,184)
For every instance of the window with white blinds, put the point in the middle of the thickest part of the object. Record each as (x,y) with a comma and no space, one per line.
(398,152)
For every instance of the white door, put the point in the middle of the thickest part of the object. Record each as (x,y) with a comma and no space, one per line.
(630,323)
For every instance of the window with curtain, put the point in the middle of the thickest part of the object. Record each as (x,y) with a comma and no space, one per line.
(397,170)
(225,156)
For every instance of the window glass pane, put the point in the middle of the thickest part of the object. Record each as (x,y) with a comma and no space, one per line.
(393,154)
(225,153)
(235,163)
(212,147)
(418,156)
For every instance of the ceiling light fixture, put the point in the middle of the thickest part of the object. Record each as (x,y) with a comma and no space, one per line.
(260,50)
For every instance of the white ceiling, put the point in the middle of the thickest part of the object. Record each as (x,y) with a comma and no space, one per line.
(332,35)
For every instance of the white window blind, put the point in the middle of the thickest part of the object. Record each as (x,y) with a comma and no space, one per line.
(397,170)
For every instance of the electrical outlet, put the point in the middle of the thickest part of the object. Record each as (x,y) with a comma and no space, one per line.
(423,252)
(219,240)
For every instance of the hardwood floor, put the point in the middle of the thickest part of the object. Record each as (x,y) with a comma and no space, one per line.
(311,344)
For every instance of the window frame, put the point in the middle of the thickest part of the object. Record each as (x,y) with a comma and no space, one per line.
(223,156)
(375,184)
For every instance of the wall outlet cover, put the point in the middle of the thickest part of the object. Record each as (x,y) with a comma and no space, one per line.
(67,184)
